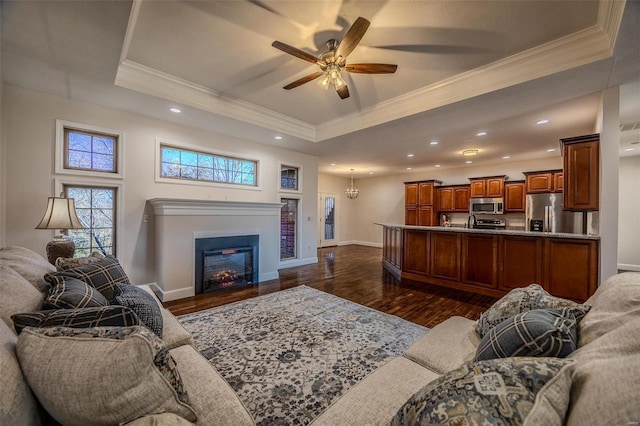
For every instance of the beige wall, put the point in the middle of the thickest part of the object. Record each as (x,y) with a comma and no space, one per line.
(629,214)
(29,131)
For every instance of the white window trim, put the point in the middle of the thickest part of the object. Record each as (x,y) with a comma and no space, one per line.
(60,182)
(59,155)
(190,147)
(286,190)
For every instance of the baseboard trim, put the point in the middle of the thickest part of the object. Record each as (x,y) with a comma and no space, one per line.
(297,262)
(360,243)
(628,267)
(167,296)
(268,276)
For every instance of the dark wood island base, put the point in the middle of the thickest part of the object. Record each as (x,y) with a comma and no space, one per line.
(492,262)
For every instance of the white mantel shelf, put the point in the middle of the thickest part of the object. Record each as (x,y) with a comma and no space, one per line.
(184,207)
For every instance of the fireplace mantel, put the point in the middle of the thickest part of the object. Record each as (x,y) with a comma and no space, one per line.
(185,207)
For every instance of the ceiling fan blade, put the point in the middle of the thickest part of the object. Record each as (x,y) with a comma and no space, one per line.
(295,52)
(343,92)
(303,80)
(372,68)
(351,38)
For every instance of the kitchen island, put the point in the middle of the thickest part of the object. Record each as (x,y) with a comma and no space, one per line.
(492,262)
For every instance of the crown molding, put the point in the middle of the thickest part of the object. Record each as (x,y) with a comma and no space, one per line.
(610,18)
(138,77)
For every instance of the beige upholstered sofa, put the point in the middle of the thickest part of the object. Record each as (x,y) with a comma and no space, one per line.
(602,385)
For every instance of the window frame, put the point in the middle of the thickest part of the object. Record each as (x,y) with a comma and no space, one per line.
(300,182)
(162,143)
(61,150)
(60,183)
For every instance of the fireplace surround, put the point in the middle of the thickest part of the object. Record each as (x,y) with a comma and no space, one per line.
(226,262)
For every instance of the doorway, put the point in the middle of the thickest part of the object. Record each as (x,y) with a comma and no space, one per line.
(327,235)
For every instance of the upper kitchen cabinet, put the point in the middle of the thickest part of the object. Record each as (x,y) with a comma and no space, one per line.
(420,203)
(453,198)
(487,187)
(514,196)
(581,156)
(544,181)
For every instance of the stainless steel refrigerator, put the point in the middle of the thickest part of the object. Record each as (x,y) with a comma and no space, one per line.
(544,213)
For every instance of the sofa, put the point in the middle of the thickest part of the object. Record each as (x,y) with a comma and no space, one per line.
(597,383)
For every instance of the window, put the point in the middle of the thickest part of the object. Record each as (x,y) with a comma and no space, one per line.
(96,208)
(178,163)
(87,150)
(288,228)
(289,177)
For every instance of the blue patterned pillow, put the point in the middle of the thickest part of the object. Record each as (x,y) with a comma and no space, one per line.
(140,302)
(69,293)
(494,392)
(103,316)
(540,332)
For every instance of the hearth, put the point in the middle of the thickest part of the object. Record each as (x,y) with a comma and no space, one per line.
(225,262)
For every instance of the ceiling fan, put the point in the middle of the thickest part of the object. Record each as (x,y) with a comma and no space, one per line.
(334,60)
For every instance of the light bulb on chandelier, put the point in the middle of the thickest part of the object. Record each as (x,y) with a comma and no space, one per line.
(352,192)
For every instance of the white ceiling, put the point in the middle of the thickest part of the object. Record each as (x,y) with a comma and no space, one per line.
(463,66)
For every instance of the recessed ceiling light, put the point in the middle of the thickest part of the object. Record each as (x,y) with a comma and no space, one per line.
(506,157)
(176,110)
(437,165)
(469,161)
(278,137)
(545,121)
(434,143)
(551,150)
(333,164)
(482,133)
(408,168)
(409,155)
(469,152)
(630,149)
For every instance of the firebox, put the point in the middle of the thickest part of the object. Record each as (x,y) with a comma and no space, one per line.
(226,262)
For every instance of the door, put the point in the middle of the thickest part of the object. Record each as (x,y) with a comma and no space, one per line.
(327,224)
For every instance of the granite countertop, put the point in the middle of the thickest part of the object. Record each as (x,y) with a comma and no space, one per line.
(494,231)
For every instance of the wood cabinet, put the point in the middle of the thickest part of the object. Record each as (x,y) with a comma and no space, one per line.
(416,247)
(420,203)
(487,187)
(581,158)
(392,249)
(570,268)
(546,181)
(514,196)
(520,260)
(453,198)
(480,259)
(445,258)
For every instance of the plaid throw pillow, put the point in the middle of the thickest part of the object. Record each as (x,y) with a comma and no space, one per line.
(112,316)
(540,332)
(142,303)
(101,275)
(69,293)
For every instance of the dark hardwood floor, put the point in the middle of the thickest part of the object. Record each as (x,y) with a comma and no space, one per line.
(355,273)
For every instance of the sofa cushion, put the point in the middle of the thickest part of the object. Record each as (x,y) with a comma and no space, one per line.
(18,406)
(103,316)
(134,370)
(64,263)
(164,419)
(540,332)
(375,400)
(101,275)
(446,346)
(173,333)
(615,303)
(500,391)
(140,302)
(70,293)
(16,295)
(517,301)
(27,263)
(213,400)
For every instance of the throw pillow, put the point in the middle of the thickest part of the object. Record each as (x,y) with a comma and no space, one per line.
(78,385)
(101,275)
(494,392)
(517,301)
(140,302)
(69,293)
(104,316)
(540,332)
(64,263)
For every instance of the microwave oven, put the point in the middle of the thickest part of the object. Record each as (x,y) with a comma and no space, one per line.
(486,206)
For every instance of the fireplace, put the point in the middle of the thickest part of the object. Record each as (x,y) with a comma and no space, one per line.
(225,262)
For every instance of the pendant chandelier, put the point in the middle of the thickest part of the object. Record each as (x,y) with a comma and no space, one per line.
(352,192)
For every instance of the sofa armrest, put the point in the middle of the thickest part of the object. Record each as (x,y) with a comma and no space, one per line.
(173,333)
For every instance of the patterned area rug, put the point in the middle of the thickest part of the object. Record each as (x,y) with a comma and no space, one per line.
(289,355)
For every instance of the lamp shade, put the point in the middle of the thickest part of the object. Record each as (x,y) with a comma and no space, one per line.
(60,214)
